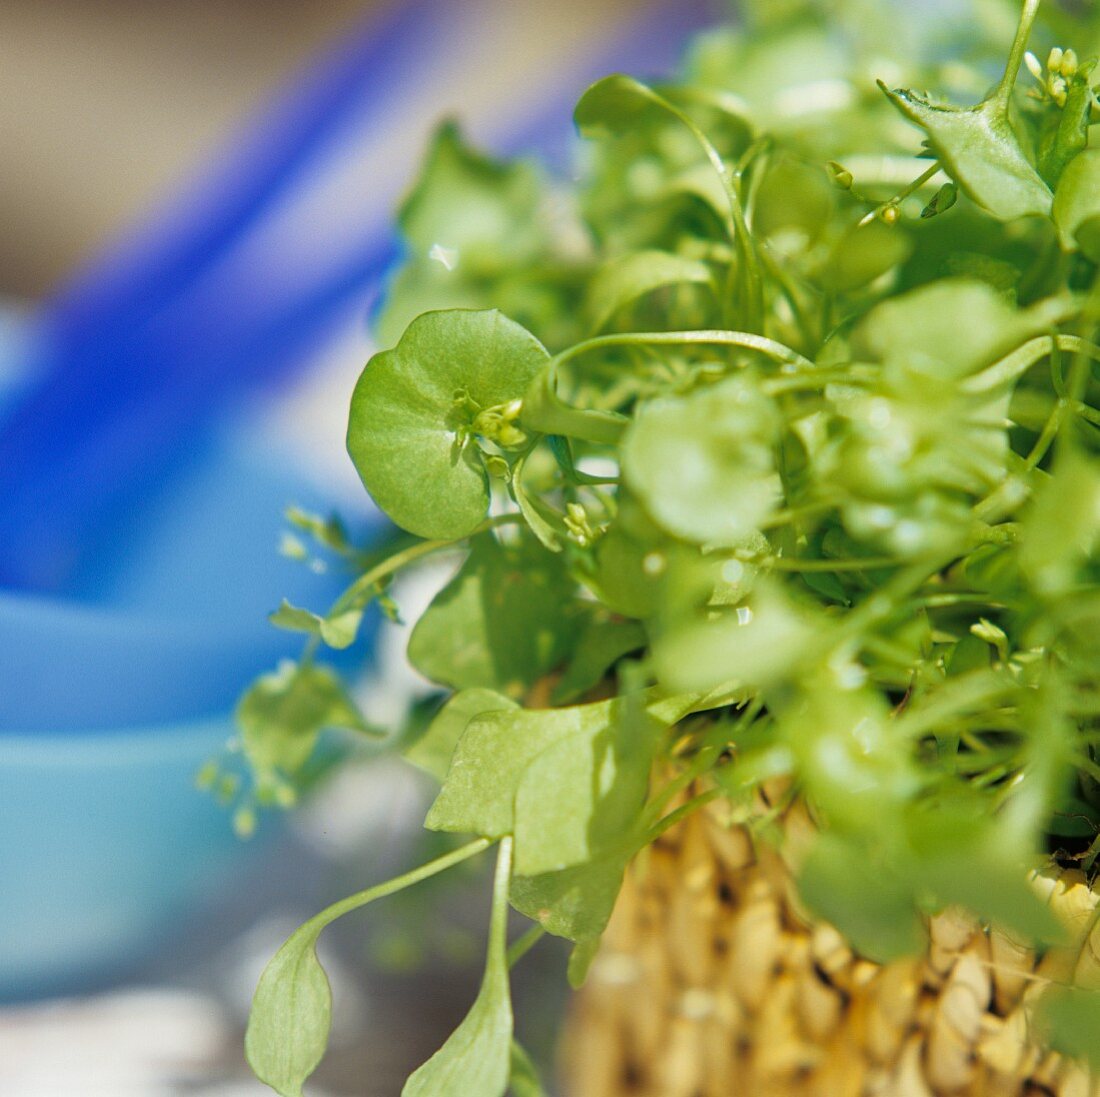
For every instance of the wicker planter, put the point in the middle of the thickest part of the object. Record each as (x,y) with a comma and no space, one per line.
(712,982)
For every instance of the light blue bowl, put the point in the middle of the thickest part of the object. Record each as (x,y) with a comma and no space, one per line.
(168,621)
(107,845)
(112,698)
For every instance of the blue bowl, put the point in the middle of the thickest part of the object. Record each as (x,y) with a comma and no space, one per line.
(107,846)
(169,621)
(111,699)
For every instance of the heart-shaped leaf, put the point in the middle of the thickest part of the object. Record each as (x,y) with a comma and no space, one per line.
(470,225)
(576,902)
(524,1078)
(598,648)
(497,748)
(862,254)
(291,1015)
(338,630)
(282,714)
(1069,1017)
(582,796)
(613,105)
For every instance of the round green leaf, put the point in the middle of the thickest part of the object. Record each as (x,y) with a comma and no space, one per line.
(1088,237)
(288,1028)
(482,210)
(507,618)
(944,329)
(1069,1018)
(1077,198)
(628,277)
(795,202)
(704,464)
(413,403)
(613,105)
(863,254)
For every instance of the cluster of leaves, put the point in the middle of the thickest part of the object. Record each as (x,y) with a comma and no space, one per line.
(780,460)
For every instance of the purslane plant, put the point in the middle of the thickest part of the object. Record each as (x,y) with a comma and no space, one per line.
(773,455)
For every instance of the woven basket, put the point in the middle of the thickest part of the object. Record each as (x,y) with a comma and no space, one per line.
(713,982)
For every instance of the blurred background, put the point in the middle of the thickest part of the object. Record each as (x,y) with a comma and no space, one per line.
(109,104)
(196,207)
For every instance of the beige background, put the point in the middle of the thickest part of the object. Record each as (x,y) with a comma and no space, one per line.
(105,103)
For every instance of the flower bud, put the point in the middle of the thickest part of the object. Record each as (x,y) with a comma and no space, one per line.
(839,175)
(942,200)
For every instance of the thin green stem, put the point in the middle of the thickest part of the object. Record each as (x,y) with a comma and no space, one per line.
(991,776)
(708,753)
(787,287)
(309,649)
(362,589)
(1088,765)
(976,743)
(957,598)
(1047,435)
(398,883)
(1086,412)
(739,231)
(699,765)
(1057,374)
(878,170)
(682,812)
(887,600)
(796,514)
(782,563)
(498,922)
(546,411)
(746,340)
(897,654)
(1076,382)
(821,379)
(523,945)
(1015,364)
(904,193)
(1003,93)
(954,699)
(736,224)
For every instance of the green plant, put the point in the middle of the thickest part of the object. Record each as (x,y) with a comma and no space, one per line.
(805,486)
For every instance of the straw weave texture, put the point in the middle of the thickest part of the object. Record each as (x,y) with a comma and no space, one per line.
(713,982)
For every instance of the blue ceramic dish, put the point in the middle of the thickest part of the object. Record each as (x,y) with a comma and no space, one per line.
(110,701)
(107,846)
